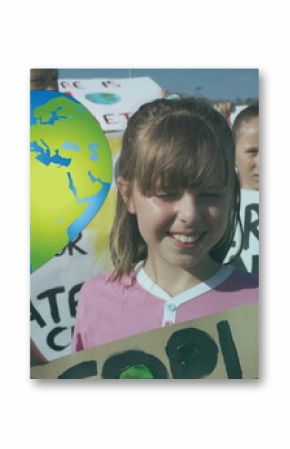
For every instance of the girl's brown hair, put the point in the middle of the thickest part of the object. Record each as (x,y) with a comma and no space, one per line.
(172,144)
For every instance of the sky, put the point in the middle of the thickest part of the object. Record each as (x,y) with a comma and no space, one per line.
(215,84)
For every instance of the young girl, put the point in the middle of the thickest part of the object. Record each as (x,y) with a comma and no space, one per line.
(176,214)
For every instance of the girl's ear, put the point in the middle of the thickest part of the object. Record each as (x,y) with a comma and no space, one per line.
(125,190)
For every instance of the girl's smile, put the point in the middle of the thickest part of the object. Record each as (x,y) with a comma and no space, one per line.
(186,240)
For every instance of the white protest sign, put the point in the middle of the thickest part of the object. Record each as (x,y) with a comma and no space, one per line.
(249,258)
(236,112)
(54,293)
(112,101)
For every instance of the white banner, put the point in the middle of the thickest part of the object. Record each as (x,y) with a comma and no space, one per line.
(112,101)
(236,111)
(249,258)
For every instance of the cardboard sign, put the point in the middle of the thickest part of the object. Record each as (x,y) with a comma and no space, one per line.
(221,346)
(249,258)
(55,286)
(113,101)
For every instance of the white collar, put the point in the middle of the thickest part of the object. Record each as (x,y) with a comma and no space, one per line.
(144,280)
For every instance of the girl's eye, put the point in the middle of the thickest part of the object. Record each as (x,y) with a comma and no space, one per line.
(210,195)
(252,151)
(167,195)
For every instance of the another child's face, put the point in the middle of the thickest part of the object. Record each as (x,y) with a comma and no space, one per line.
(181,227)
(247,154)
(43,79)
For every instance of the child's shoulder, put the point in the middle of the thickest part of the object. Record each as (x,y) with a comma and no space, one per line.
(107,280)
(238,288)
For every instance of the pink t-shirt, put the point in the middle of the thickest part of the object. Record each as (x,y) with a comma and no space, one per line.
(112,310)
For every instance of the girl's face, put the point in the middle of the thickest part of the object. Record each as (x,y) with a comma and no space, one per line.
(180,227)
(247,154)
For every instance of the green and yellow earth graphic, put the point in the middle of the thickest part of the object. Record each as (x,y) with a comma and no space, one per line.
(71,172)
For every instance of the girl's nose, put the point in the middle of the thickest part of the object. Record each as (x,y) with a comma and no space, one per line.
(189,209)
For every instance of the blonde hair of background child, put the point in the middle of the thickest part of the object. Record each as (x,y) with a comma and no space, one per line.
(244,117)
(172,144)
